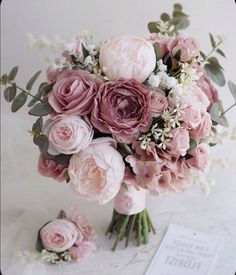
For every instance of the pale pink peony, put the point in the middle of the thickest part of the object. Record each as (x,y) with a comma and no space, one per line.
(128,57)
(191,116)
(161,40)
(179,144)
(50,168)
(122,109)
(97,172)
(59,235)
(188,47)
(158,103)
(200,157)
(81,250)
(74,92)
(68,134)
(204,128)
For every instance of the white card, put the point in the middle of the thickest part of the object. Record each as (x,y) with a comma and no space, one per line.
(185,252)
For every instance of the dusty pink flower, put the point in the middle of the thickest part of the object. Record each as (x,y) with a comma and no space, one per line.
(179,144)
(188,47)
(68,134)
(200,157)
(161,40)
(203,130)
(50,168)
(128,57)
(158,103)
(97,172)
(59,235)
(74,92)
(81,250)
(161,184)
(122,108)
(191,116)
(52,73)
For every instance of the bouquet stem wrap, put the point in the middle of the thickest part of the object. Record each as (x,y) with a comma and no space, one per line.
(130,215)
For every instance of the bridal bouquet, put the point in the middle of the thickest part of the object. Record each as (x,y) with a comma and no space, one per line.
(126,118)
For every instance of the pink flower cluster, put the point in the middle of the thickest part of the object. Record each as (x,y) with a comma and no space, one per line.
(71,233)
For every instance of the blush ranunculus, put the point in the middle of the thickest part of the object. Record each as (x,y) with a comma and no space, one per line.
(67,134)
(81,250)
(188,47)
(50,168)
(128,57)
(97,172)
(158,103)
(204,128)
(122,109)
(179,144)
(191,116)
(200,157)
(59,235)
(73,92)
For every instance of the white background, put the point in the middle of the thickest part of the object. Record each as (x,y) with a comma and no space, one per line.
(29,200)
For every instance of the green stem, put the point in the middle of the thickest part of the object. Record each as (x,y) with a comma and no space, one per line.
(139,233)
(151,224)
(130,228)
(145,226)
(26,92)
(109,229)
(212,51)
(120,232)
(228,109)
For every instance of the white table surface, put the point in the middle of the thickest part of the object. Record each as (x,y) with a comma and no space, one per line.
(28,200)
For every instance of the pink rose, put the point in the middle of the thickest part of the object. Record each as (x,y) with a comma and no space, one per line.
(67,134)
(128,57)
(204,128)
(59,235)
(50,168)
(205,84)
(74,92)
(82,250)
(179,144)
(161,40)
(122,108)
(52,73)
(97,172)
(200,157)
(191,116)
(188,47)
(158,103)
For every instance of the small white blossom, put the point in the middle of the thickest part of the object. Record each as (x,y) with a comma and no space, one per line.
(160,66)
(154,81)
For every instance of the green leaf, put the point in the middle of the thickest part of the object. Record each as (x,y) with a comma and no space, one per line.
(180,22)
(61,215)
(232,88)
(85,51)
(42,142)
(152,27)
(202,55)
(37,126)
(41,109)
(10,93)
(192,144)
(60,159)
(157,51)
(42,87)
(216,114)
(214,61)
(13,73)
(177,7)
(219,51)
(4,79)
(213,43)
(177,56)
(30,84)
(165,17)
(18,102)
(215,74)
(179,14)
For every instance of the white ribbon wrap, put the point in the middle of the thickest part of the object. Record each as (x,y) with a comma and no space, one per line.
(130,201)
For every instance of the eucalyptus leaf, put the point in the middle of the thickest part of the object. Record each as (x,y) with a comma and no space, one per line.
(219,51)
(179,14)
(85,51)
(18,102)
(152,27)
(192,144)
(13,73)
(165,17)
(180,22)
(214,61)
(30,84)
(10,93)
(157,51)
(41,109)
(42,87)
(213,43)
(60,159)
(216,114)
(177,7)
(203,55)
(232,88)
(42,142)
(215,73)
(37,126)
(177,56)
